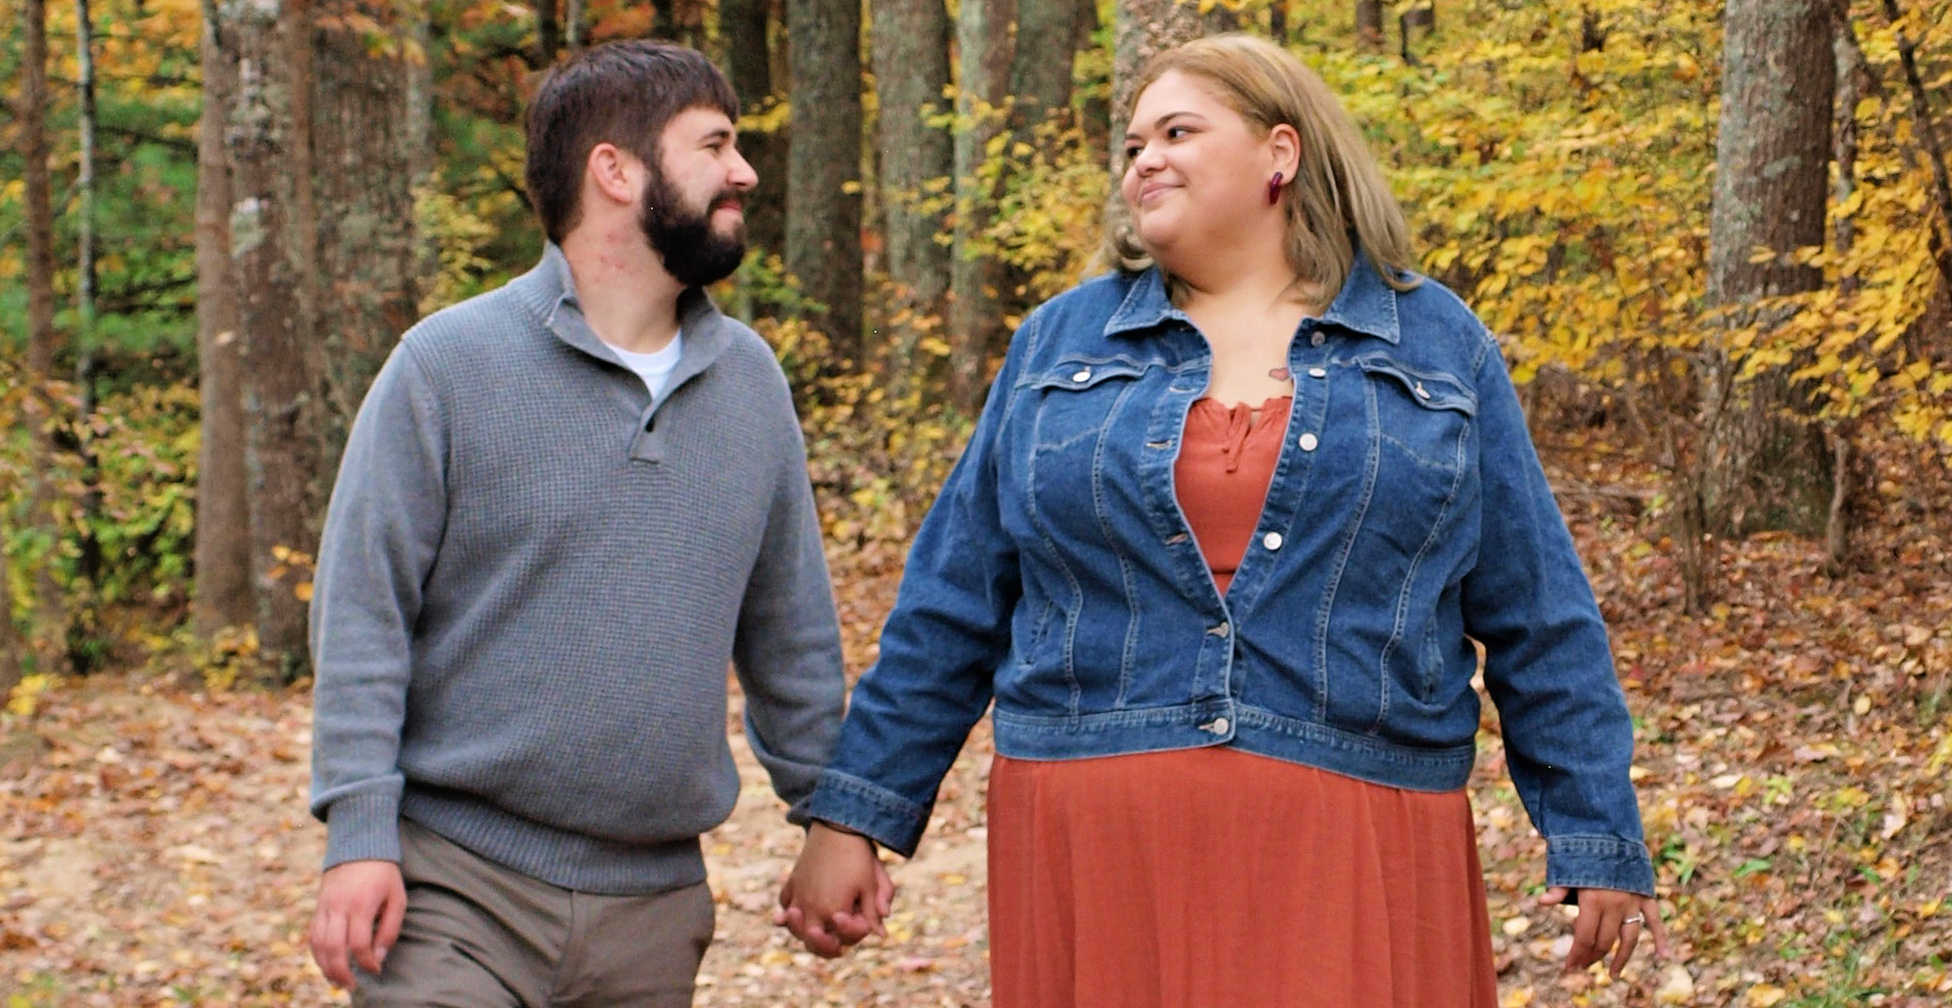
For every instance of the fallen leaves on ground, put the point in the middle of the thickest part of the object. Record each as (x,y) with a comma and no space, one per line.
(1795,744)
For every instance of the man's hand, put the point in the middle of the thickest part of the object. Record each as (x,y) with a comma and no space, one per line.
(838,892)
(361,905)
(1608,917)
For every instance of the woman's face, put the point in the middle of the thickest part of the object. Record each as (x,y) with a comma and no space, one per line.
(1195,169)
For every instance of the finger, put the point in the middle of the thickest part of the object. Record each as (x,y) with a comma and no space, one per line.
(850,928)
(1629,937)
(820,943)
(884,889)
(786,893)
(329,948)
(1585,935)
(393,914)
(1553,896)
(362,921)
(1655,925)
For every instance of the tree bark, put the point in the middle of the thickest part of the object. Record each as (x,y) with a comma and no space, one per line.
(223,534)
(748,53)
(364,154)
(1771,187)
(280,389)
(911,72)
(548,33)
(88,551)
(50,619)
(1369,24)
(983,54)
(1142,30)
(823,198)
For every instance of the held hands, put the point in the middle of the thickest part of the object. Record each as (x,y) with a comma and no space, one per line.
(838,892)
(361,905)
(1607,917)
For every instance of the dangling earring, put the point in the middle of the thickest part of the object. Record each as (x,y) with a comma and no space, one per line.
(1274,189)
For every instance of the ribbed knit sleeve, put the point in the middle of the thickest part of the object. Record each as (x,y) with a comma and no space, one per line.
(382,532)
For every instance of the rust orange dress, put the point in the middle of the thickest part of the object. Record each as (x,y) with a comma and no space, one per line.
(1214,878)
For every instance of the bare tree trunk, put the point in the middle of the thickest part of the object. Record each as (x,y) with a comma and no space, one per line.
(983,51)
(1369,24)
(364,161)
(745,25)
(88,552)
(911,71)
(1142,30)
(572,25)
(1277,22)
(1413,24)
(823,198)
(1771,190)
(223,536)
(280,391)
(42,341)
(548,33)
(1040,92)
(1095,111)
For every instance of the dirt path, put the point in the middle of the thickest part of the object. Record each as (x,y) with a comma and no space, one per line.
(1794,755)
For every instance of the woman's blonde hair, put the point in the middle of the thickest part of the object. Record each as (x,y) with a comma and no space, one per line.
(1338,199)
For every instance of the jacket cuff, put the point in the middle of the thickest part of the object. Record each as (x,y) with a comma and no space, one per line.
(1598,862)
(363,828)
(873,811)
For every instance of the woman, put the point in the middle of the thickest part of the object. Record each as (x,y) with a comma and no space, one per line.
(1218,550)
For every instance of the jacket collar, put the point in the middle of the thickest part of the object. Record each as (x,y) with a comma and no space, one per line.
(1365,304)
(549,290)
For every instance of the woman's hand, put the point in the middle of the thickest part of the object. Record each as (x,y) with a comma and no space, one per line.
(838,892)
(1609,917)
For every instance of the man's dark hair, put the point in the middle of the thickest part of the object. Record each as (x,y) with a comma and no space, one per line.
(622,93)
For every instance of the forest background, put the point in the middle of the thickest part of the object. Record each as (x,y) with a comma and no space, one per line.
(1715,239)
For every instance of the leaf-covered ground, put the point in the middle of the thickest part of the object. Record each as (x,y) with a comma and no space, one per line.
(1795,748)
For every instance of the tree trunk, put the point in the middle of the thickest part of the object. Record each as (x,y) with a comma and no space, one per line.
(745,25)
(42,341)
(548,33)
(280,389)
(223,536)
(983,53)
(1095,111)
(364,161)
(1143,29)
(1369,24)
(88,552)
(572,25)
(1040,91)
(823,198)
(1771,186)
(911,71)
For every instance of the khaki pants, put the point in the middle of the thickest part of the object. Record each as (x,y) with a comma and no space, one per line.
(479,935)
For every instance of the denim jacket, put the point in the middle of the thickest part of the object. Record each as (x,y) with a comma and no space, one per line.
(1408,516)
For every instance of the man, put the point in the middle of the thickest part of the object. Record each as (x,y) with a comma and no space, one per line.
(565,506)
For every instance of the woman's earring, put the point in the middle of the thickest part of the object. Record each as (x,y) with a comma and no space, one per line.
(1274,189)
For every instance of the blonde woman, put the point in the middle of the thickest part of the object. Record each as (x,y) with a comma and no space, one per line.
(1218,551)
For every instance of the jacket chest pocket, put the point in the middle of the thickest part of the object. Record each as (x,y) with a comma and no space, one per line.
(1425,415)
(1078,400)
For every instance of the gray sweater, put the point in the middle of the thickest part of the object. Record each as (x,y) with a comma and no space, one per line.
(532,581)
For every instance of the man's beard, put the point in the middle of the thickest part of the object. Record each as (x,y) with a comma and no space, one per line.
(693,251)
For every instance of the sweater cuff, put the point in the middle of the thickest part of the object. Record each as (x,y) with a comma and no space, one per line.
(1598,862)
(363,828)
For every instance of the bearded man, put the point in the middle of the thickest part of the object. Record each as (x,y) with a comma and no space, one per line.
(565,507)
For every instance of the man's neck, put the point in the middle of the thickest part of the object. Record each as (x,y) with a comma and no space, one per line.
(628,298)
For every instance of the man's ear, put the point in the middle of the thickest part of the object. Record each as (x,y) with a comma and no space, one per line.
(616,174)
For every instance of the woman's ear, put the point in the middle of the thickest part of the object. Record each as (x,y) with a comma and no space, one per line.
(1284,143)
